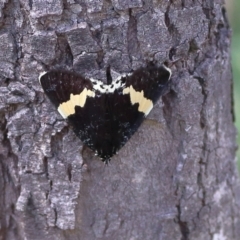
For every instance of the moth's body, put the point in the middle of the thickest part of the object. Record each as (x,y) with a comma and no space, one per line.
(105,116)
(104,122)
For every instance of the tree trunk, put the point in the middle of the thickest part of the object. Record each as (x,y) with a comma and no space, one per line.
(176,178)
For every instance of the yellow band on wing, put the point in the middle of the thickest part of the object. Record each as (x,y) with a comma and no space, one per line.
(145,105)
(68,108)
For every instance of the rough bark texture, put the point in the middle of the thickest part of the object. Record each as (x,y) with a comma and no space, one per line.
(176,177)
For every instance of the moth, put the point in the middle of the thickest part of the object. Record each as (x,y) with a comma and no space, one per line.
(105,116)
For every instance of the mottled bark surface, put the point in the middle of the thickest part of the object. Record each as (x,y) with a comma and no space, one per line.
(176,177)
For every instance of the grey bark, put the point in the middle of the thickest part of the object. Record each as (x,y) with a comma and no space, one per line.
(176,178)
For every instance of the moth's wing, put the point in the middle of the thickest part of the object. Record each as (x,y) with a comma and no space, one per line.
(90,124)
(60,85)
(152,80)
(83,107)
(125,119)
(142,89)
(129,105)
(86,114)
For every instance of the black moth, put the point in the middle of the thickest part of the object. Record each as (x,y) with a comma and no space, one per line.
(105,116)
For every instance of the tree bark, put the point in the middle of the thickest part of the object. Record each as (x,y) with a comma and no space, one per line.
(176,178)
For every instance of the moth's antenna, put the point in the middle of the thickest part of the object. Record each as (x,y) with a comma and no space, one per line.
(108,73)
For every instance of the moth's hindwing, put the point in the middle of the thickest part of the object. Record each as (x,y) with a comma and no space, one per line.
(104,116)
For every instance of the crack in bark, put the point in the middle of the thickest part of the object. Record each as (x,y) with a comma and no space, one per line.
(202,83)
(132,40)
(182,225)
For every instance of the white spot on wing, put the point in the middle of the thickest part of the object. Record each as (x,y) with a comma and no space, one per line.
(68,108)
(104,88)
(123,76)
(145,105)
